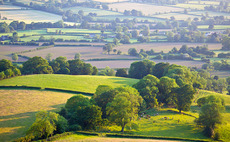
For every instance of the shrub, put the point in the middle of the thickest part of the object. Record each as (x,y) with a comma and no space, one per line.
(75,127)
(2,75)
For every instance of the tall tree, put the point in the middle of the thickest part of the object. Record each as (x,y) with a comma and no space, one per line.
(184,96)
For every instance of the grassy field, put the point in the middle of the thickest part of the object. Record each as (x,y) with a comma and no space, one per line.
(9,7)
(110,1)
(216,27)
(29,16)
(18,109)
(205,2)
(145,8)
(82,83)
(76,31)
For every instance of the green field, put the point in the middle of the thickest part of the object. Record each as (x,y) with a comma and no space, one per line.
(205,2)
(190,6)
(76,31)
(178,16)
(82,83)
(216,27)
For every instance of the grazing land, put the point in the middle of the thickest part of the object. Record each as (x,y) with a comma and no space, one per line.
(82,83)
(216,27)
(18,109)
(145,8)
(110,1)
(191,6)
(178,16)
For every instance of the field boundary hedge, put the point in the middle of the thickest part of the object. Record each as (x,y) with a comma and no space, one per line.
(153,137)
(48,89)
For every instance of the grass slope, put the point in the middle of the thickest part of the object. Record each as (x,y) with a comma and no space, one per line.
(18,109)
(82,83)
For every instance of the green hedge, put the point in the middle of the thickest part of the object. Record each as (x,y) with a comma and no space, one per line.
(69,91)
(152,137)
(87,133)
(20,87)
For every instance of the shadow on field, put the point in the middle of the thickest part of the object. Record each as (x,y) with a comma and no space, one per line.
(15,126)
(120,80)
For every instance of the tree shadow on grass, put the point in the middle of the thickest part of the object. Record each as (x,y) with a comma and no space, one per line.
(15,126)
(124,81)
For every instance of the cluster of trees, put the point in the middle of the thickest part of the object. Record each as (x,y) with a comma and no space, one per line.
(60,65)
(7,69)
(16,25)
(226,43)
(182,75)
(224,55)
(222,7)
(193,51)
(133,13)
(223,65)
(78,17)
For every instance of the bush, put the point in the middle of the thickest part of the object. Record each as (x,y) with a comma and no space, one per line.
(75,127)
(2,75)
(61,124)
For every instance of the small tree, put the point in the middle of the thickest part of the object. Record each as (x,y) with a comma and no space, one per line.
(122,72)
(2,75)
(14,57)
(77,56)
(44,125)
(210,114)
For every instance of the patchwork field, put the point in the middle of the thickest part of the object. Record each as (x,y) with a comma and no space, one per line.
(82,83)
(29,16)
(9,7)
(205,2)
(110,1)
(146,9)
(18,109)
(210,13)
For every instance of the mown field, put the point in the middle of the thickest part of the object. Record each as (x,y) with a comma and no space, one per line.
(145,8)
(82,83)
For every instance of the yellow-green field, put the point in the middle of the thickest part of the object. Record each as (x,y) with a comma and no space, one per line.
(191,6)
(82,83)
(216,27)
(18,109)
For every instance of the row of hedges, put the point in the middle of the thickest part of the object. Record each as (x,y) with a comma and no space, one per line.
(49,89)
(152,137)
(20,43)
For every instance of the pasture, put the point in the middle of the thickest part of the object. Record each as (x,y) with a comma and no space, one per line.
(76,31)
(210,13)
(216,27)
(82,83)
(204,2)
(9,7)
(110,1)
(145,8)
(29,16)
(18,109)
